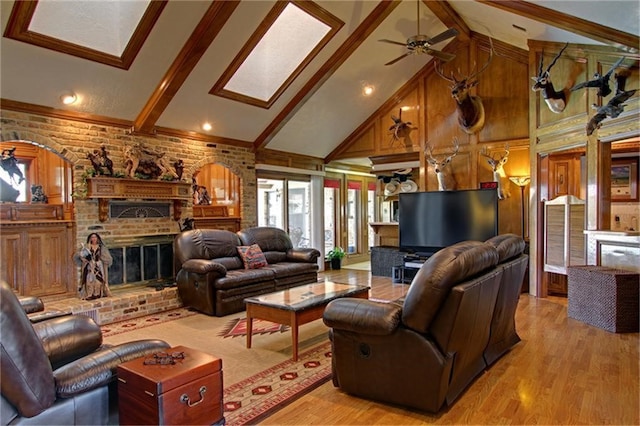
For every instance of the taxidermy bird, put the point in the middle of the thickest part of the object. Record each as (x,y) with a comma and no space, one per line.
(599,81)
(400,129)
(614,107)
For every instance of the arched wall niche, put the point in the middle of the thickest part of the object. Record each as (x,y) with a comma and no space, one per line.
(217,196)
(46,167)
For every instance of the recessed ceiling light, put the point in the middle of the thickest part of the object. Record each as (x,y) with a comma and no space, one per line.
(68,98)
(367,90)
(206,127)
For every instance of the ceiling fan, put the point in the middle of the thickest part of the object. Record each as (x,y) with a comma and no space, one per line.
(420,43)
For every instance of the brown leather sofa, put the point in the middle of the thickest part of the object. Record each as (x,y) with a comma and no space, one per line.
(424,350)
(212,278)
(57,371)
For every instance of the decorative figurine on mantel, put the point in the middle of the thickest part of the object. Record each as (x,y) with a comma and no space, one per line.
(179,166)
(145,163)
(100,161)
(37,194)
(94,260)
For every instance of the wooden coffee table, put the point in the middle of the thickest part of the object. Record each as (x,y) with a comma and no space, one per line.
(298,305)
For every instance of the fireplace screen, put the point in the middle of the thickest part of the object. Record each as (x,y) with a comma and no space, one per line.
(141,264)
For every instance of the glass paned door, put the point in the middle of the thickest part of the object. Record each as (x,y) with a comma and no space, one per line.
(299,217)
(271,203)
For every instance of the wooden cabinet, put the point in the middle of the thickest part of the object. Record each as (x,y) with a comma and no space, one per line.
(37,257)
(215,217)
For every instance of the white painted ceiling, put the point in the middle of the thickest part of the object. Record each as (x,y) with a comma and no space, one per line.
(321,120)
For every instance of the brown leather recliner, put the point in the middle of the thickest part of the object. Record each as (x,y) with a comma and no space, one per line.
(514,264)
(424,351)
(57,371)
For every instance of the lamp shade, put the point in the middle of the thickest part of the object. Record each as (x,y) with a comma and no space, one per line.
(520,180)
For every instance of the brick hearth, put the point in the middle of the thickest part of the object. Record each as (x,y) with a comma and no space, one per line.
(123,305)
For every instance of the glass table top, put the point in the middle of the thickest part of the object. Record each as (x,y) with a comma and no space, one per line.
(307,296)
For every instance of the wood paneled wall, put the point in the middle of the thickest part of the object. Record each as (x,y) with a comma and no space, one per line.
(427,103)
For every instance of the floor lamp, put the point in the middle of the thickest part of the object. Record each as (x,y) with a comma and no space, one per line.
(521,181)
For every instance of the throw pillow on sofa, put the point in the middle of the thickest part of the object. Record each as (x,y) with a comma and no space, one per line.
(252,256)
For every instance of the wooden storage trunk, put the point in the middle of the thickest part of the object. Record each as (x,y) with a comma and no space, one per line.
(188,392)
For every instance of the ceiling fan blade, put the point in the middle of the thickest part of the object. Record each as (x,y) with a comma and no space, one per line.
(398,58)
(393,42)
(451,32)
(446,57)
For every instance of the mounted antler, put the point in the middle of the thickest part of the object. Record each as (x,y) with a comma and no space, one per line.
(470,108)
(440,169)
(556,101)
(496,166)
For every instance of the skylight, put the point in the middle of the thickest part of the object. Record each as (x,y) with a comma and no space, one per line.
(106,26)
(277,52)
(111,32)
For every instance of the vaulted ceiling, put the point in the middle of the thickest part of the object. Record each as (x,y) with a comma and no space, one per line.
(164,80)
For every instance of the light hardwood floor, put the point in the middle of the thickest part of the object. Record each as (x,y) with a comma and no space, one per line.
(562,372)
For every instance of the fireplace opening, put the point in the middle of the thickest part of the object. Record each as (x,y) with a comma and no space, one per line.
(142,263)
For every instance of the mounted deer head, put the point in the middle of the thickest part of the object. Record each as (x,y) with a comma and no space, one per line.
(556,101)
(496,166)
(441,169)
(470,108)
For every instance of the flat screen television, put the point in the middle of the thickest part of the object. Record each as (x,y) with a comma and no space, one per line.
(430,221)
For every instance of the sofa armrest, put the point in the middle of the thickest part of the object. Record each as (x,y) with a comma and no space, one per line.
(204,266)
(100,368)
(68,338)
(31,304)
(308,255)
(362,316)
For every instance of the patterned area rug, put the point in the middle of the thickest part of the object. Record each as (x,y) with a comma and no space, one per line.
(247,400)
(257,397)
(146,321)
(238,327)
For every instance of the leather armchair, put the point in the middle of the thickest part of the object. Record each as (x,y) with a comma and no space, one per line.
(57,371)
(422,351)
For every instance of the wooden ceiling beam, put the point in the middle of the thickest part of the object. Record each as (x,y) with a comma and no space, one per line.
(610,36)
(445,13)
(203,35)
(375,18)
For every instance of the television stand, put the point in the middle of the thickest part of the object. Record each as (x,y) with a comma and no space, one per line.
(403,274)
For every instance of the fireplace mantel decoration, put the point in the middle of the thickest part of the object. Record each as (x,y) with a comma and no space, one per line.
(105,189)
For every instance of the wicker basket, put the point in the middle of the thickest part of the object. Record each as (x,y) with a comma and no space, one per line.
(604,297)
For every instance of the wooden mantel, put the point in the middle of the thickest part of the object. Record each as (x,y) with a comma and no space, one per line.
(106,188)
